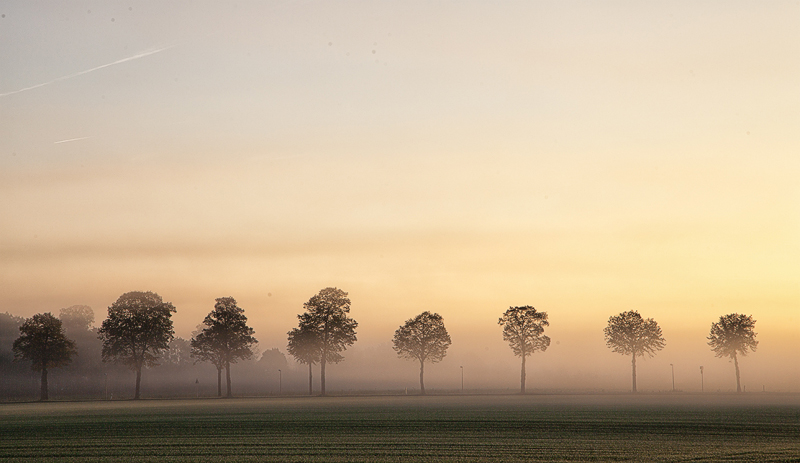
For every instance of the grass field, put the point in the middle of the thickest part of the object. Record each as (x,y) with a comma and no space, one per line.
(749,427)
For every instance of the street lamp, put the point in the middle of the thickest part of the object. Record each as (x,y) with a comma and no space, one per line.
(462,378)
(280,381)
(673,377)
(702,386)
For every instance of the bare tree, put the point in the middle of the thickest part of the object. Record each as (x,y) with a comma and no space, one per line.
(732,335)
(305,346)
(326,315)
(523,328)
(629,334)
(42,341)
(225,339)
(423,338)
(137,330)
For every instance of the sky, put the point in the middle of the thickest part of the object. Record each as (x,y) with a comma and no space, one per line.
(585,158)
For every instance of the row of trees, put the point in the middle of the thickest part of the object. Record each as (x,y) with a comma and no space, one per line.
(138,330)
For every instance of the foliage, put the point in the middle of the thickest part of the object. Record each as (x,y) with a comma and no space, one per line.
(9,331)
(43,343)
(422,338)
(305,344)
(137,330)
(733,334)
(523,329)
(272,359)
(226,337)
(326,315)
(78,317)
(629,334)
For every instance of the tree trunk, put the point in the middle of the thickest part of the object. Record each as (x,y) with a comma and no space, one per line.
(322,374)
(522,376)
(228,377)
(422,377)
(219,381)
(633,372)
(43,396)
(736,365)
(138,382)
(310,383)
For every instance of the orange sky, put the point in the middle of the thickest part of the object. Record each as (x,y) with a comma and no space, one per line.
(460,158)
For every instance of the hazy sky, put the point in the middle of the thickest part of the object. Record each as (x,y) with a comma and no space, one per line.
(585,158)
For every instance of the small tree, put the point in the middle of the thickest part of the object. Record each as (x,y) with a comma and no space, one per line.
(422,338)
(42,341)
(326,315)
(305,346)
(629,334)
(732,335)
(523,329)
(137,330)
(226,338)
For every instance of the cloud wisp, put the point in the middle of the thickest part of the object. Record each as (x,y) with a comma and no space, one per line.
(69,140)
(96,68)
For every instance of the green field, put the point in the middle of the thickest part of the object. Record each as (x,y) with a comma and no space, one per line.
(746,427)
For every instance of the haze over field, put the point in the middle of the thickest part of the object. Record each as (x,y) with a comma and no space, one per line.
(461,158)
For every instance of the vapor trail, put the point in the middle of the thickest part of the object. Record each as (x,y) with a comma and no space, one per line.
(70,139)
(70,76)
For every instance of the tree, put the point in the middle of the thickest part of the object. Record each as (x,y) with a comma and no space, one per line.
(629,334)
(422,338)
(523,328)
(733,335)
(42,341)
(137,330)
(305,346)
(225,339)
(326,315)
(203,348)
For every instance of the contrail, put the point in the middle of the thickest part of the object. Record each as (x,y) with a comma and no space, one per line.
(70,139)
(70,76)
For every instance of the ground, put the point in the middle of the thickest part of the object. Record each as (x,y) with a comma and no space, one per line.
(663,427)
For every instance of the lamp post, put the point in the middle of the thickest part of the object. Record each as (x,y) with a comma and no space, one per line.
(280,381)
(702,386)
(462,378)
(673,376)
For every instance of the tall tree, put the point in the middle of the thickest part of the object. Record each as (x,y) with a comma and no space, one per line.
(733,335)
(326,315)
(226,335)
(137,330)
(629,334)
(423,338)
(523,329)
(305,346)
(42,341)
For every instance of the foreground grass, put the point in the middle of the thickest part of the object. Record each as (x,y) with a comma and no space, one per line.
(385,429)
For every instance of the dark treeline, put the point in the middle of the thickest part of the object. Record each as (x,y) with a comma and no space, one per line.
(135,348)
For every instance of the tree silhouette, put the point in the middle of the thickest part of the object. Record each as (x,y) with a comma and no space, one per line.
(629,334)
(225,339)
(137,330)
(422,338)
(732,335)
(42,341)
(326,315)
(523,328)
(305,346)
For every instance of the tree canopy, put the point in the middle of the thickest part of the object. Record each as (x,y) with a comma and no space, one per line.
(629,334)
(326,315)
(225,339)
(523,329)
(42,341)
(423,338)
(137,330)
(731,336)
(306,347)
